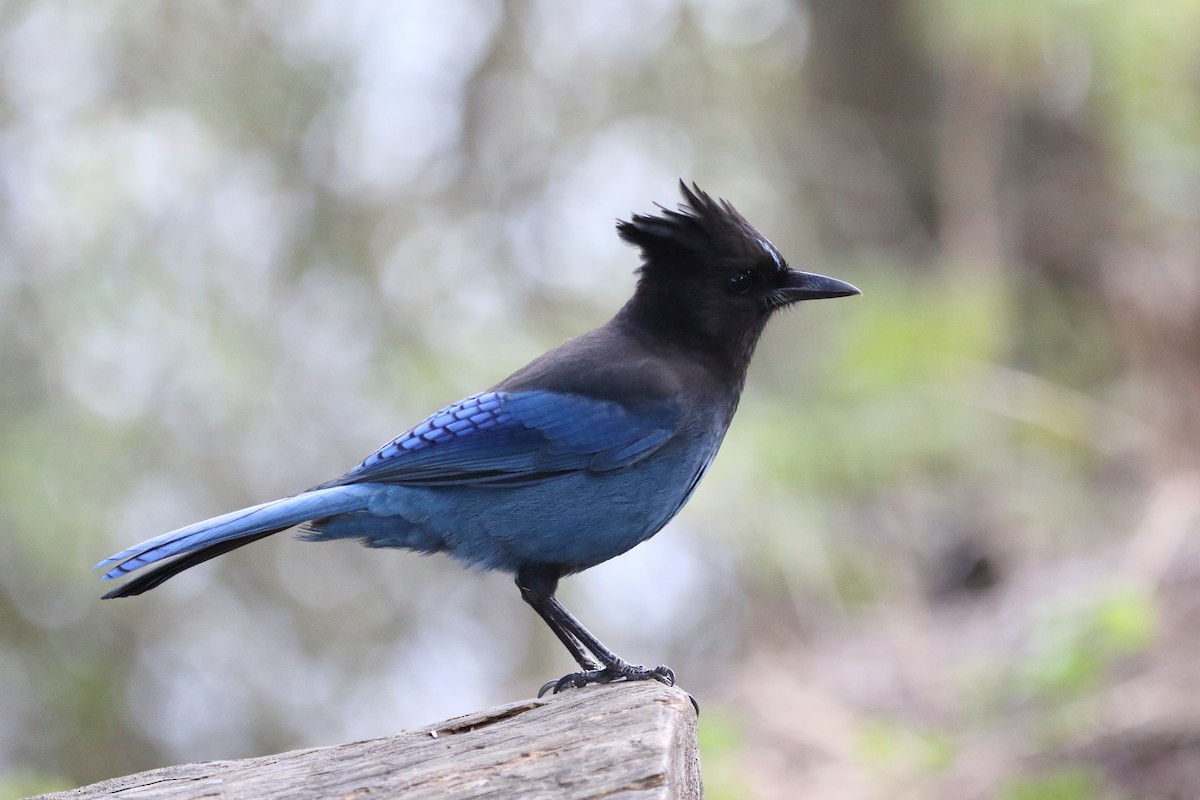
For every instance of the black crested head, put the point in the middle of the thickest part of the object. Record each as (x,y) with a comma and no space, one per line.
(702,232)
(709,280)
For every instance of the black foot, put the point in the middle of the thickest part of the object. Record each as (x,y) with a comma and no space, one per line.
(578,680)
(624,672)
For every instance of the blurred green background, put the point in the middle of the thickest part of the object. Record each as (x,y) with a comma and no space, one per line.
(950,546)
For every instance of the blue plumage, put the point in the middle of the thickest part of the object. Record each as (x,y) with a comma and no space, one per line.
(516,437)
(573,459)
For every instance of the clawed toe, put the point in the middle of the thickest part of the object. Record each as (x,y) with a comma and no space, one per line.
(620,672)
(576,680)
(625,672)
(662,674)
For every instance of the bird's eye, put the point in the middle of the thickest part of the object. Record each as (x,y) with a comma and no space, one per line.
(740,283)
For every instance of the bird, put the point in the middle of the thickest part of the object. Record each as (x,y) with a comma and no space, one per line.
(575,458)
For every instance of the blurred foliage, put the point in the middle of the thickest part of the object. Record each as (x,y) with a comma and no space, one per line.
(883,745)
(1070,783)
(949,547)
(1069,652)
(721,745)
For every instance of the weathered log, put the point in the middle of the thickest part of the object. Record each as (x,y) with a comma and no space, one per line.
(618,742)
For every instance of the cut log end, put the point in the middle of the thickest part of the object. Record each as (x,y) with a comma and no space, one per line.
(630,741)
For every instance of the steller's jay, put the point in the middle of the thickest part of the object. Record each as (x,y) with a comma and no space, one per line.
(573,459)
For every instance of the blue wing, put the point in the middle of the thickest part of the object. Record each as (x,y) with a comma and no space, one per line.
(519,437)
(492,437)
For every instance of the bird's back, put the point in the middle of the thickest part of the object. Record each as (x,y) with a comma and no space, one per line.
(579,517)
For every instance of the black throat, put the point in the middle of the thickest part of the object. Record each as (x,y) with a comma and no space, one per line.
(665,322)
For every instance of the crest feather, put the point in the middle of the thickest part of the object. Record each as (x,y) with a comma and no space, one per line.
(701,229)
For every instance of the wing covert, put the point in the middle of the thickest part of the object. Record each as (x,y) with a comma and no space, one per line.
(519,437)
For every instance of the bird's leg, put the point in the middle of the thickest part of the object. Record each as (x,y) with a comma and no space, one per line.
(598,663)
(613,666)
(578,651)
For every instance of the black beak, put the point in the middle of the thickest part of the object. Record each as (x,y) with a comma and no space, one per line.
(807,286)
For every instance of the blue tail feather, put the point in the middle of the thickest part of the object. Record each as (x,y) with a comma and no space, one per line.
(275,515)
